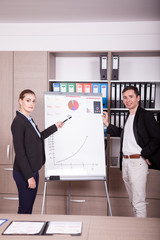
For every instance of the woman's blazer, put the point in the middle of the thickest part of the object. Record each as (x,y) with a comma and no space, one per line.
(29,147)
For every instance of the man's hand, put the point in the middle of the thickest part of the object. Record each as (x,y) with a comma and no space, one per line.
(148,162)
(105,119)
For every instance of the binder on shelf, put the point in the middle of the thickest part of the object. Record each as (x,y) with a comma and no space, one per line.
(104,91)
(127,84)
(113,95)
(103,67)
(71,87)
(63,87)
(142,94)
(80,87)
(138,87)
(122,119)
(118,94)
(153,94)
(122,86)
(87,87)
(112,118)
(148,95)
(115,67)
(117,118)
(56,87)
(95,87)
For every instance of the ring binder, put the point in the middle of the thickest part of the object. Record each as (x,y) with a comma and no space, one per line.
(115,67)
(103,67)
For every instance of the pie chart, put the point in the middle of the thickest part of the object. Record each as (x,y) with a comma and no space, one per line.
(73,105)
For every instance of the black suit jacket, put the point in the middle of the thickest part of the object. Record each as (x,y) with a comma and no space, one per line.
(147,135)
(29,147)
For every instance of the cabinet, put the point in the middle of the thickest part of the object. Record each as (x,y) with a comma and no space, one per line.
(19,71)
(6,107)
(30,72)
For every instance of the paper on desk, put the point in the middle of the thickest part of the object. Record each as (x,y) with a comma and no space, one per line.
(60,227)
(24,228)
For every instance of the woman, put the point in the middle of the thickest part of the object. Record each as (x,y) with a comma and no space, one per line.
(29,151)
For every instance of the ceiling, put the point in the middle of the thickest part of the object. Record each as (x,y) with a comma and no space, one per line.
(54,11)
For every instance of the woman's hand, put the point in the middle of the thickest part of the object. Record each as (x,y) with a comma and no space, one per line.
(59,124)
(31,183)
(105,119)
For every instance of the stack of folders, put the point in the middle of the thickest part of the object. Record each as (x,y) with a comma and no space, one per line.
(147,94)
(118,117)
(83,88)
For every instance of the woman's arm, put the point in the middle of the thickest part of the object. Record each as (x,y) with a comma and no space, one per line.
(50,130)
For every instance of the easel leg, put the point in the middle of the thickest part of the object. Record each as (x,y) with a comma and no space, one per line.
(69,198)
(109,205)
(44,194)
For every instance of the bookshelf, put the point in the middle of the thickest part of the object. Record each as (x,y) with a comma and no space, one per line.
(139,68)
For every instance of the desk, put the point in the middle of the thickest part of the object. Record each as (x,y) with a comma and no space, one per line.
(94,227)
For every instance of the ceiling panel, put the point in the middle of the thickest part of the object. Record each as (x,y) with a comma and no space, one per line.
(51,11)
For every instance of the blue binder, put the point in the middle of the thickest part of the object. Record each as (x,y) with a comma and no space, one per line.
(56,87)
(104,91)
(95,87)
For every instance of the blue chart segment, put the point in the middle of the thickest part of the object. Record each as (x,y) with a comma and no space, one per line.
(73,105)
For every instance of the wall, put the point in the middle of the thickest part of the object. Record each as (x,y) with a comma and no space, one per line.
(111,36)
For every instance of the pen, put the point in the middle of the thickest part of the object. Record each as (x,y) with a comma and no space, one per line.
(67,119)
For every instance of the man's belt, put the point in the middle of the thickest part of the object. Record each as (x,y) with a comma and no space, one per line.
(132,156)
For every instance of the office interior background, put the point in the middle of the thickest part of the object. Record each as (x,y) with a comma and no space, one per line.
(43,42)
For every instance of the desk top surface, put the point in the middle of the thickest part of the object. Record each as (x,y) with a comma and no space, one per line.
(94,227)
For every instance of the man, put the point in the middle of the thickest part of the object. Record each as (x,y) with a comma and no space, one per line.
(140,148)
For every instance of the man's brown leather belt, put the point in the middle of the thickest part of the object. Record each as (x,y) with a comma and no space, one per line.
(132,156)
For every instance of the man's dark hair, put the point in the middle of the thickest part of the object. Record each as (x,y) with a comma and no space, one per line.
(135,89)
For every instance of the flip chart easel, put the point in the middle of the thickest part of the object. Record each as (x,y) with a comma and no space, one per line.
(76,151)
